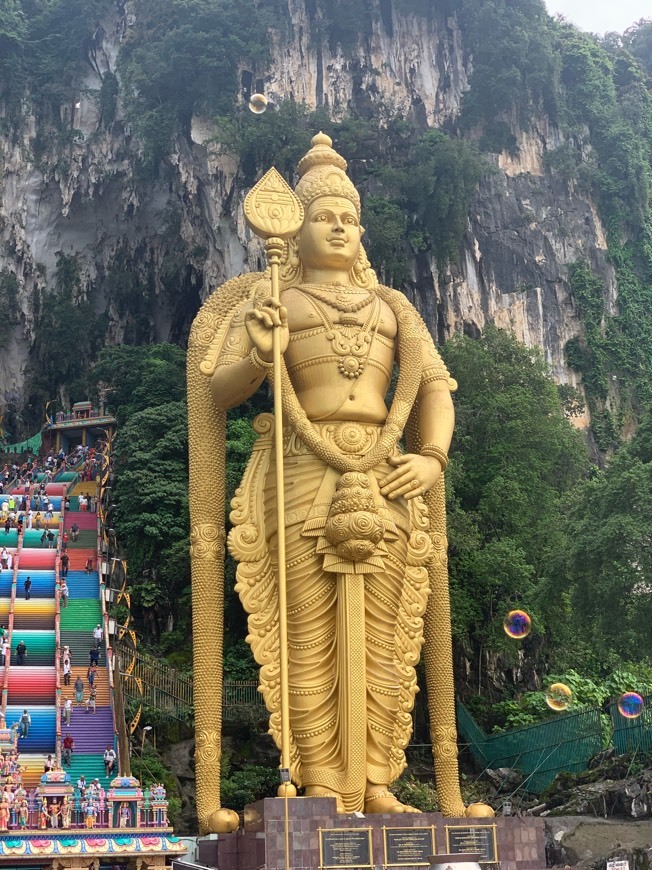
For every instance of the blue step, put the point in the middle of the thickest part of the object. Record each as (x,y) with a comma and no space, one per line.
(42,583)
(83,585)
(42,732)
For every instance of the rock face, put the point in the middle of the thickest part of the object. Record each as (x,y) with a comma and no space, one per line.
(524,229)
(588,843)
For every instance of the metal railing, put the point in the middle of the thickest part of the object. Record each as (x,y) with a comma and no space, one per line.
(149,681)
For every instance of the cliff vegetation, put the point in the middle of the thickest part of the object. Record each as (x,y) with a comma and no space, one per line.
(506,180)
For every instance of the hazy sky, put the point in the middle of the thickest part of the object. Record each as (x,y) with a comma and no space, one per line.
(599,16)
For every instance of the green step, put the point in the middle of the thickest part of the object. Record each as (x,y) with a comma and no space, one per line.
(87,540)
(92,766)
(81,614)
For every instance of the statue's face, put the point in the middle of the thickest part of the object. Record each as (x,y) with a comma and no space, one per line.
(330,235)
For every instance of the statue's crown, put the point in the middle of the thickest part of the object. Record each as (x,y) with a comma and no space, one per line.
(322,172)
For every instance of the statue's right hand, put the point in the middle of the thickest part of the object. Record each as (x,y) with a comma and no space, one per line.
(260,323)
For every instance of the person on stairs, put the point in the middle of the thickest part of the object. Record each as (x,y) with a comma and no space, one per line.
(21,652)
(92,700)
(67,709)
(79,691)
(65,564)
(74,532)
(68,748)
(25,722)
(109,760)
(63,593)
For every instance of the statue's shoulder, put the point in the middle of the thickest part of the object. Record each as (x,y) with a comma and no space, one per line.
(210,326)
(406,314)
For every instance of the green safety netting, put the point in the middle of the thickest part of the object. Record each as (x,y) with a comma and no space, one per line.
(632,735)
(563,743)
(32,445)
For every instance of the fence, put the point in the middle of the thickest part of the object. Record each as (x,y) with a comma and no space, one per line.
(540,751)
(632,735)
(149,681)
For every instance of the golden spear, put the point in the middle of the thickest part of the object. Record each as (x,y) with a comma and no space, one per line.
(275,213)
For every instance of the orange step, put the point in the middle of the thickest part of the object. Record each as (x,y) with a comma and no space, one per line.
(101,684)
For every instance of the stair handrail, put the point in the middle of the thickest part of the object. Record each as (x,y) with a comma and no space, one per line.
(118,725)
(10,623)
(57,632)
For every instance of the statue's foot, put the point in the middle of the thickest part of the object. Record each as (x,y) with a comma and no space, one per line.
(383,801)
(319,791)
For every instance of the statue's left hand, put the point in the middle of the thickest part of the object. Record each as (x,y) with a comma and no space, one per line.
(413,475)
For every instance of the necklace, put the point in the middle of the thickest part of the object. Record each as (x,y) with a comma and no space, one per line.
(405,397)
(351,341)
(337,297)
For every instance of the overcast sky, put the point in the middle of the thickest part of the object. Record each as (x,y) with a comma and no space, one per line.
(598,16)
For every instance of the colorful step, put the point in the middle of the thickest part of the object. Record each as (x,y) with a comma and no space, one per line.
(83,519)
(40,559)
(81,614)
(80,643)
(91,731)
(43,582)
(40,647)
(101,684)
(83,585)
(91,765)
(31,686)
(36,613)
(41,737)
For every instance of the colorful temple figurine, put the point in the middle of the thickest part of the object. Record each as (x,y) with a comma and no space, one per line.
(90,812)
(66,812)
(23,814)
(159,805)
(43,814)
(55,811)
(125,815)
(4,814)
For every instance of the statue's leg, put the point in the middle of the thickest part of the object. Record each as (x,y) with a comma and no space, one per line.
(312,599)
(382,597)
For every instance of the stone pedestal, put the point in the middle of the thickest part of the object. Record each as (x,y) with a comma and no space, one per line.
(269,824)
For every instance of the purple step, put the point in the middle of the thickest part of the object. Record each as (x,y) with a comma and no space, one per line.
(92,732)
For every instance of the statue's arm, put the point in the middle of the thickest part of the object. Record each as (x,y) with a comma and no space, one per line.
(246,355)
(415,474)
(236,376)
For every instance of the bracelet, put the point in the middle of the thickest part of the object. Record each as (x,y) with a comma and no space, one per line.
(259,363)
(436,453)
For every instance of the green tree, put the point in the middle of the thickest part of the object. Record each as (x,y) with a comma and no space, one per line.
(610,552)
(139,378)
(151,514)
(513,458)
(183,57)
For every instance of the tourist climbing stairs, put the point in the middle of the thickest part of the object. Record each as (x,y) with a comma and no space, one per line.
(92,732)
(46,630)
(31,685)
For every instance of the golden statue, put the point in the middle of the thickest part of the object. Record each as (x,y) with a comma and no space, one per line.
(365,582)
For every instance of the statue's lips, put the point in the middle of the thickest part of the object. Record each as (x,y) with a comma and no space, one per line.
(338,241)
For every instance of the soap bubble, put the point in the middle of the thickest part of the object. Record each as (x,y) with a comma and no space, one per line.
(558,697)
(630,705)
(258,103)
(517,624)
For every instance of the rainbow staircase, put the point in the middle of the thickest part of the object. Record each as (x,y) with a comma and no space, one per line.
(36,684)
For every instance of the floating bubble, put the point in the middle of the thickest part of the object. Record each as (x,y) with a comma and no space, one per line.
(558,697)
(517,624)
(630,705)
(258,103)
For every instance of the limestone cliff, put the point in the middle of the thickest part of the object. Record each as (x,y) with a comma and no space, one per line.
(182,234)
